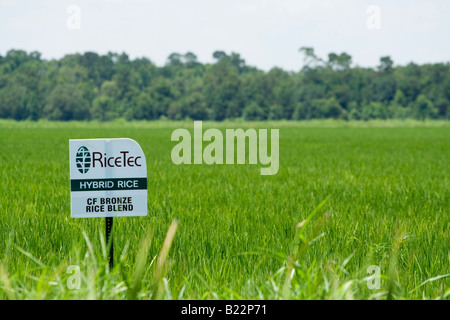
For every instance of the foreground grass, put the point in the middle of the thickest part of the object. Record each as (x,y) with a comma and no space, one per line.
(237,234)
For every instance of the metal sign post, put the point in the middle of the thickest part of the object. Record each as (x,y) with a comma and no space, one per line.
(109,240)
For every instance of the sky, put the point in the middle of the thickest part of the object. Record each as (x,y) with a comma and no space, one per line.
(266,33)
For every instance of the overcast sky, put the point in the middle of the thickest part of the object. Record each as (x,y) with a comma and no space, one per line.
(266,33)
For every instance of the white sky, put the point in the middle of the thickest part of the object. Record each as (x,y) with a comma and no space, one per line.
(266,33)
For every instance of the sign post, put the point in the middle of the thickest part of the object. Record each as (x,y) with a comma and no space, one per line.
(108,178)
(108,229)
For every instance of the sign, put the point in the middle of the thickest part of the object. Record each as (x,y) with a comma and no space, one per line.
(108,178)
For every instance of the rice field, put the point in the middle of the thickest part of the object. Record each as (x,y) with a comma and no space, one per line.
(349,197)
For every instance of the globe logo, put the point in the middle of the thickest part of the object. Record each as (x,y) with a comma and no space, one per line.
(83,159)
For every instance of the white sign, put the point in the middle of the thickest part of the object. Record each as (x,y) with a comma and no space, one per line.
(108,178)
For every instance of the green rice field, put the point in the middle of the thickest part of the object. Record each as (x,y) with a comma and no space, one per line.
(347,196)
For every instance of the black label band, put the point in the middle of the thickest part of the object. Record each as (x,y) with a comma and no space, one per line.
(108,184)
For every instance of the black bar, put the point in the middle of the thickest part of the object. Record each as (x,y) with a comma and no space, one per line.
(108,184)
(274,309)
(109,226)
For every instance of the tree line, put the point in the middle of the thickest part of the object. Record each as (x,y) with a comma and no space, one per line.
(90,86)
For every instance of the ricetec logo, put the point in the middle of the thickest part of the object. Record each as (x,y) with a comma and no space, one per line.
(84,160)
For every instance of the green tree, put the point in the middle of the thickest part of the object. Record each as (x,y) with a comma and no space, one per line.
(374,110)
(253,112)
(104,87)
(104,109)
(12,103)
(340,62)
(386,64)
(66,102)
(443,107)
(300,112)
(222,90)
(424,108)
(384,88)
(275,112)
